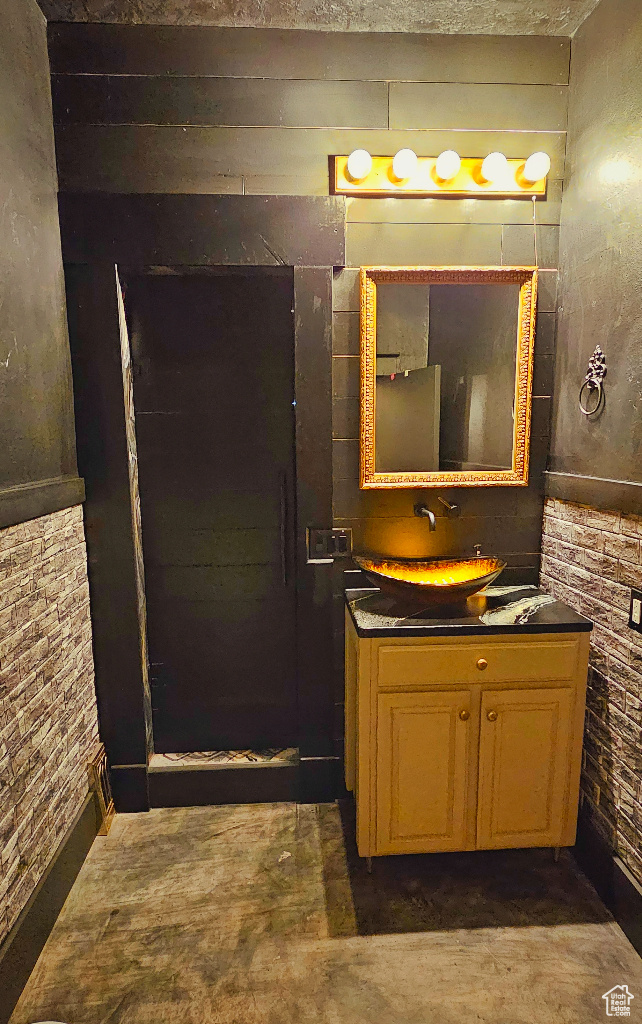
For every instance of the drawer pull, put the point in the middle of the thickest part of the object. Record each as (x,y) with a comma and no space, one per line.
(492,716)
(464,715)
(482,664)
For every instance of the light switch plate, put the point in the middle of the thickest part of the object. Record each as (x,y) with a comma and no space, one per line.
(326,545)
(635,613)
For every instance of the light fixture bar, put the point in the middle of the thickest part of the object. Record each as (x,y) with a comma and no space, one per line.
(425,182)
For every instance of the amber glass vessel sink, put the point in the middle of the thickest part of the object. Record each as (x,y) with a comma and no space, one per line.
(444,580)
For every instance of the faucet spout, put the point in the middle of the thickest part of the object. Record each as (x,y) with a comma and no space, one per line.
(424,512)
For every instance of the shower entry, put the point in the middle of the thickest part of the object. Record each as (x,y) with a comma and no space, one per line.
(213,382)
(200,331)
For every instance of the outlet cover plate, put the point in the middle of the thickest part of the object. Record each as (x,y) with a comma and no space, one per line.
(635,612)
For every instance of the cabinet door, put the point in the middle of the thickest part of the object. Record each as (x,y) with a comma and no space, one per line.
(523,767)
(422,771)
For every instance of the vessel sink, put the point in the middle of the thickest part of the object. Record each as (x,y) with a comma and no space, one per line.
(443,580)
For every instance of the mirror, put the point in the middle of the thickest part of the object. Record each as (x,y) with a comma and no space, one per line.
(446,369)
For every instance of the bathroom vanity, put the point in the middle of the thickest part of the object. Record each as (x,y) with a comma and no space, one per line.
(464,728)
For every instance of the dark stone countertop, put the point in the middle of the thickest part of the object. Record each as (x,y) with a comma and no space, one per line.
(517,609)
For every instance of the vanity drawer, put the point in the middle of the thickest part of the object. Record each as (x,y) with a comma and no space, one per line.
(476,663)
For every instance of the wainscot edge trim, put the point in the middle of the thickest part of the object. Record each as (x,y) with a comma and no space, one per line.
(612,880)
(23,502)
(620,495)
(25,941)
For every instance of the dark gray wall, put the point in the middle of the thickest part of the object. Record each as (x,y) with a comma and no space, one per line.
(144,109)
(36,425)
(206,110)
(601,251)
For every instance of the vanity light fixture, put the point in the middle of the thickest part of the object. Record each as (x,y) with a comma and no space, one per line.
(537,167)
(404,164)
(448,165)
(359,164)
(495,166)
(447,174)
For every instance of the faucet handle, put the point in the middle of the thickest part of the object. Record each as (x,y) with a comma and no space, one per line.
(477,549)
(451,510)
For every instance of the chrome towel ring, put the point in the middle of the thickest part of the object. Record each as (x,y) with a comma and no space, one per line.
(593,383)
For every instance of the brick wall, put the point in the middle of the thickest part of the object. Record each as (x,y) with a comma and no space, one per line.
(590,559)
(48,721)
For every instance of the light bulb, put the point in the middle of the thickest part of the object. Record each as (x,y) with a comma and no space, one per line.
(404,164)
(448,165)
(494,166)
(359,164)
(537,167)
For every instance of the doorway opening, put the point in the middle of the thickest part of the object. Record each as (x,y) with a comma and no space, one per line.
(213,381)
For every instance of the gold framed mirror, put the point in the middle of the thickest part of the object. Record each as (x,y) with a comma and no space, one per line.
(446,376)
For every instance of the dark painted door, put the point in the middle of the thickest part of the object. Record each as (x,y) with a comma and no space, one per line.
(213,359)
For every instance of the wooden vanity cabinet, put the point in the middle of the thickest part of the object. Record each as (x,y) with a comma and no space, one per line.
(471,743)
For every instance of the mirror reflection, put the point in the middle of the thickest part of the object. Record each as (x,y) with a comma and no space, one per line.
(445,376)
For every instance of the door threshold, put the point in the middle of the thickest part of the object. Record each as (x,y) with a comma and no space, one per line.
(194,779)
(208,760)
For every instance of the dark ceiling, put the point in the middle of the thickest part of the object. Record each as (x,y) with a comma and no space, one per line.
(492,17)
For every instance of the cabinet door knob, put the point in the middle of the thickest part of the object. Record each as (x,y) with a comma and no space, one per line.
(464,715)
(482,664)
(492,716)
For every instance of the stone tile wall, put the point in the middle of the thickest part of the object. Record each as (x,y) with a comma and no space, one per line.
(590,560)
(48,718)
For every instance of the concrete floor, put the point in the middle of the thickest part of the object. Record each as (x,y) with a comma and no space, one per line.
(264,914)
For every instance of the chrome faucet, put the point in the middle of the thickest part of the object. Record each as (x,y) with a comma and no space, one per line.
(425,513)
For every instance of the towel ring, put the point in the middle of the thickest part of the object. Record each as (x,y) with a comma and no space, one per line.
(592,387)
(593,381)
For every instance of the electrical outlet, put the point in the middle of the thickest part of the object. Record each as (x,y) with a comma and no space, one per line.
(635,614)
